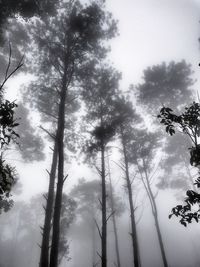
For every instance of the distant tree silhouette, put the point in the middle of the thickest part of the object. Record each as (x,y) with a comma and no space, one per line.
(169,84)
(20,247)
(176,158)
(87,194)
(165,84)
(31,145)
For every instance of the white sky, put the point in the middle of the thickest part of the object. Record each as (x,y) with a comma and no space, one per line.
(152,31)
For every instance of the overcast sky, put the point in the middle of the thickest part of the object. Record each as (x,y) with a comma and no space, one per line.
(152,31)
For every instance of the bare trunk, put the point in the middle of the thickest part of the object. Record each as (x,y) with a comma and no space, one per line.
(132,211)
(155,215)
(58,198)
(44,256)
(93,244)
(104,218)
(160,241)
(114,218)
(189,175)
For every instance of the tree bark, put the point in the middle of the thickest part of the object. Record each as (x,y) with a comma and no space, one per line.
(44,256)
(59,189)
(114,217)
(103,204)
(132,210)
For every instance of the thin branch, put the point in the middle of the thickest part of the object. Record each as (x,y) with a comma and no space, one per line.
(51,148)
(48,172)
(99,231)
(99,255)
(44,208)
(45,196)
(9,60)
(39,245)
(7,76)
(140,216)
(100,201)
(65,178)
(152,175)
(98,170)
(133,178)
(49,114)
(112,213)
(119,165)
(46,131)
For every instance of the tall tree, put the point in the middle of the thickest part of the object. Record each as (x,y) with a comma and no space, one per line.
(99,95)
(66,43)
(126,116)
(114,213)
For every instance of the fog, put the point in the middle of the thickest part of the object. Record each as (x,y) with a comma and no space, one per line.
(99,133)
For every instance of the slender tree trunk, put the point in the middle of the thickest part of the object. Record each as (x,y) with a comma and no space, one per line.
(59,189)
(103,203)
(132,210)
(44,256)
(114,217)
(93,244)
(155,215)
(189,174)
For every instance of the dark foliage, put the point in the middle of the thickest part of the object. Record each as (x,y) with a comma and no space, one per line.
(189,123)
(24,8)
(7,123)
(7,180)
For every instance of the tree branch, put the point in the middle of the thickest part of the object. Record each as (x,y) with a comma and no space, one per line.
(99,231)
(112,213)
(46,131)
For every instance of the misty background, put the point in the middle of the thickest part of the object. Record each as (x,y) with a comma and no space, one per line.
(151,59)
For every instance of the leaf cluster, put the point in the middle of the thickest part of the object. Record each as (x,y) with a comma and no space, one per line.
(7,180)
(189,123)
(7,123)
(185,211)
